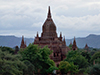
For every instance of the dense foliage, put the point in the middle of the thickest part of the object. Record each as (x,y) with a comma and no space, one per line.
(95,56)
(39,57)
(87,62)
(7,49)
(66,67)
(94,70)
(28,61)
(34,59)
(76,58)
(11,64)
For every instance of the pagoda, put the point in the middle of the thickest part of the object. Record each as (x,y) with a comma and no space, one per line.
(49,37)
(23,44)
(86,48)
(74,46)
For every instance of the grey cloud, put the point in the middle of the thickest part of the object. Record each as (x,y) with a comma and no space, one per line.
(72,17)
(78,12)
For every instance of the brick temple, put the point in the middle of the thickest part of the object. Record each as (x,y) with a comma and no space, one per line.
(49,37)
(74,46)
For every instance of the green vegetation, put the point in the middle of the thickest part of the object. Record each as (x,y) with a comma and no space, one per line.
(94,70)
(7,49)
(28,61)
(39,57)
(86,55)
(77,59)
(33,60)
(84,62)
(96,56)
(66,67)
(11,64)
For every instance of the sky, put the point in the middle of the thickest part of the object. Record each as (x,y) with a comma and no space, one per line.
(77,18)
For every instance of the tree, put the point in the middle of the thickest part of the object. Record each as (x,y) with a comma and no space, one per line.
(51,69)
(30,68)
(80,61)
(39,57)
(66,67)
(70,46)
(76,58)
(71,54)
(8,49)
(95,56)
(97,60)
(11,64)
(73,68)
(86,55)
(94,70)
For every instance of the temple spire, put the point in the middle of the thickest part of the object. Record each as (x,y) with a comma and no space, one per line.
(70,42)
(74,46)
(86,47)
(22,43)
(37,34)
(60,34)
(74,40)
(49,13)
(64,40)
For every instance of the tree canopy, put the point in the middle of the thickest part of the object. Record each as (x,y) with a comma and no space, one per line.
(66,67)
(94,70)
(11,64)
(8,49)
(95,56)
(76,58)
(39,57)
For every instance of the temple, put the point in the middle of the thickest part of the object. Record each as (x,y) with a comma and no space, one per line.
(74,46)
(49,37)
(86,48)
(23,44)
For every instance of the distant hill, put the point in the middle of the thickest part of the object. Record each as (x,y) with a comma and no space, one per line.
(92,41)
(12,41)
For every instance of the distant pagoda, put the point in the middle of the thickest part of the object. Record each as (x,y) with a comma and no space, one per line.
(49,37)
(86,48)
(74,46)
(23,44)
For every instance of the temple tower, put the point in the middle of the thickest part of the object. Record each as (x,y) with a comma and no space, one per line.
(49,28)
(86,47)
(74,46)
(23,44)
(16,50)
(49,37)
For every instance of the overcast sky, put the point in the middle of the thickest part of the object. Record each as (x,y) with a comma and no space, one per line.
(77,18)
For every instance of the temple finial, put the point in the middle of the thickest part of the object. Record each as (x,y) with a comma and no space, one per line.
(70,42)
(37,34)
(49,13)
(74,46)
(64,40)
(74,42)
(74,37)
(22,43)
(60,34)
(86,46)
(22,39)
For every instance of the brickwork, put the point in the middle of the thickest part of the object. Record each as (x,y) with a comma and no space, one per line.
(49,37)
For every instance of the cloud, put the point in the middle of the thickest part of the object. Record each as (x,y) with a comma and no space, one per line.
(72,18)
(78,26)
